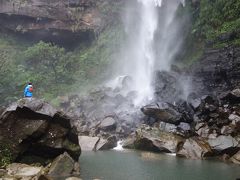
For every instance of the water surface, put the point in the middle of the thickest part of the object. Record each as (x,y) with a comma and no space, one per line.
(132,165)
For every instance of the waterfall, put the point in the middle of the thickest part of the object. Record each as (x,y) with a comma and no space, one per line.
(152,42)
(144,51)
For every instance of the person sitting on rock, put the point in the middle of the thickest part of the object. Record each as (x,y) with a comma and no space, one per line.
(28,91)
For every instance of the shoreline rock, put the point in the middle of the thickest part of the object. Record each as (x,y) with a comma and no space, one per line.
(34,128)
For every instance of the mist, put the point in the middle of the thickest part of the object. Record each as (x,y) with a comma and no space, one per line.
(154,35)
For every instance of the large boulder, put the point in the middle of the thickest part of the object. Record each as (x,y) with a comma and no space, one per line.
(195,148)
(194,101)
(32,127)
(108,124)
(168,85)
(164,112)
(153,139)
(23,171)
(62,166)
(105,144)
(223,143)
(231,96)
(88,143)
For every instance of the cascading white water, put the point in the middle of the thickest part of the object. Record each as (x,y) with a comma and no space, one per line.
(143,54)
(153,39)
(144,51)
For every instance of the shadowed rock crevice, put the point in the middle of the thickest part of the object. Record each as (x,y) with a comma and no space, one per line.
(45,29)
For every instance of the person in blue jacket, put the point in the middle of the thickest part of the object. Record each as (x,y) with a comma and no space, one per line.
(28,91)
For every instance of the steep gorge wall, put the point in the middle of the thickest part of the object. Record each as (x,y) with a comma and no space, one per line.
(60,21)
(217,71)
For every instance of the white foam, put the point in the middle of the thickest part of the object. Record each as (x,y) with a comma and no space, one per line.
(171,154)
(119,146)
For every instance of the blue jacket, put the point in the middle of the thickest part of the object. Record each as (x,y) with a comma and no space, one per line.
(27,92)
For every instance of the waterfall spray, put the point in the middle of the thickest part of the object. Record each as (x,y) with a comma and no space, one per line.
(152,42)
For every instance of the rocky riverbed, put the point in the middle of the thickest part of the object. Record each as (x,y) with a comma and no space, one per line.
(38,141)
(200,124)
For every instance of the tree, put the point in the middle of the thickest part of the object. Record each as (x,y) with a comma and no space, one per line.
(50,66)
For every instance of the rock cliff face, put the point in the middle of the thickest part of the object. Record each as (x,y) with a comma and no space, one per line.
(217,71)
(56,20)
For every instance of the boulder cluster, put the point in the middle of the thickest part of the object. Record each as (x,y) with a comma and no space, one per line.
(39,140)
(207,127)
(103,117)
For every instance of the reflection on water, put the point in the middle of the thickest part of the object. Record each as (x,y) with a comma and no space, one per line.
(130,165)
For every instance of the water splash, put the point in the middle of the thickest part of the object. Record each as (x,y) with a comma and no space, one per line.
(119,146)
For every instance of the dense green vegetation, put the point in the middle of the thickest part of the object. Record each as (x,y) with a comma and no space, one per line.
(214,23)
(53,70)
(217,17)
(5,155)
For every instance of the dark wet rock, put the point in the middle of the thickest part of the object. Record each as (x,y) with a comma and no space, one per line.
(194,103)
(214,115)
(223,143)
(217,71)
(186,110)
(210,100)
(105,144)
(88,143)
(231,96)
(62,166)
(109,123)
(212,108)
(236,158)
(195,148)
(153,139)
(30,128)
(163,112)
(222,122)
(105,111)
(168,85)
(183,129)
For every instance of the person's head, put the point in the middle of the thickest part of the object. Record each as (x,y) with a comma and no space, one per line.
(29,83)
